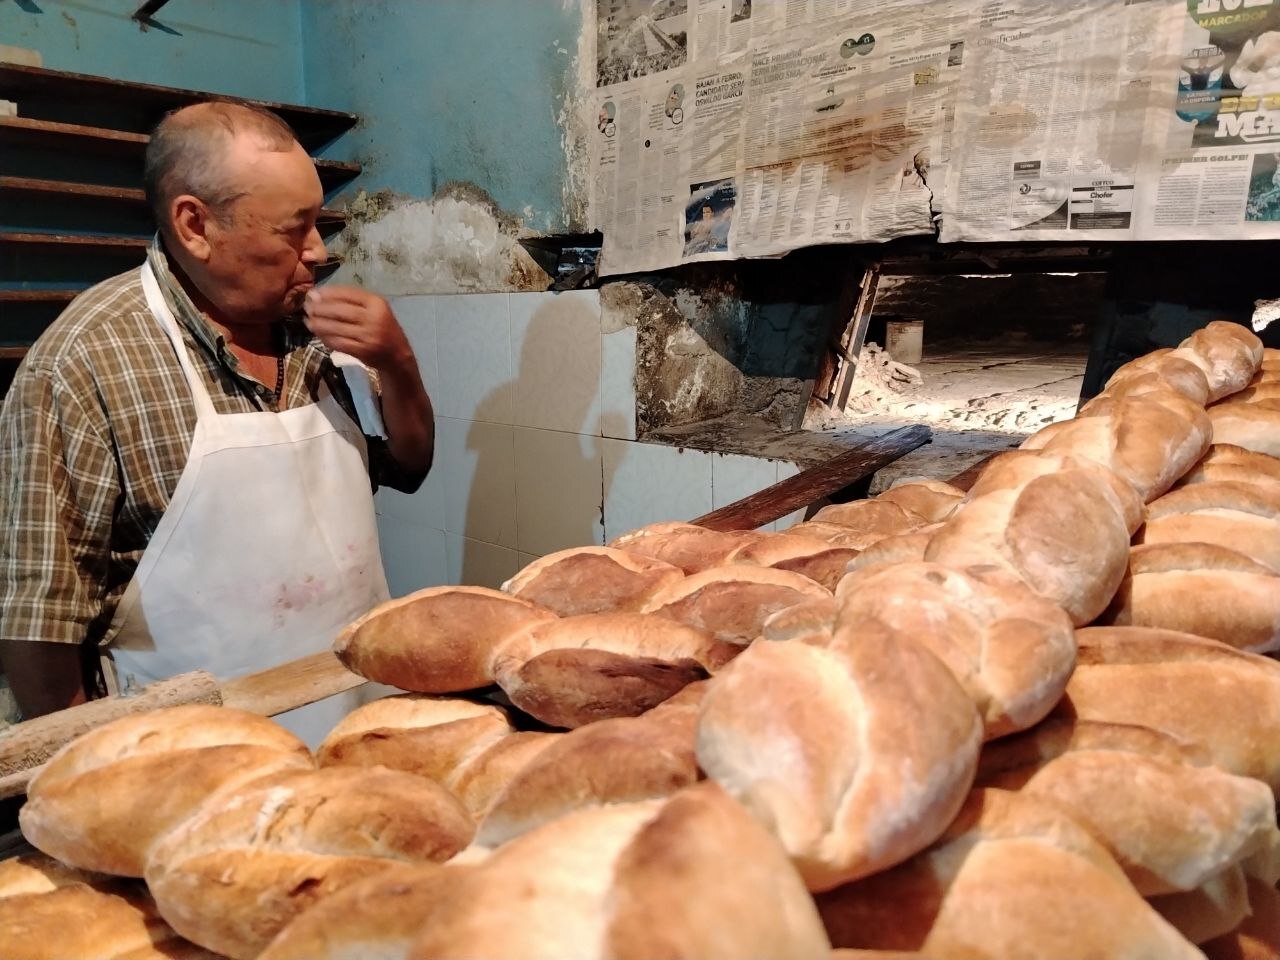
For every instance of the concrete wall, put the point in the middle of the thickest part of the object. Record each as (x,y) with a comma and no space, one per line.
(247,48)
(464,145)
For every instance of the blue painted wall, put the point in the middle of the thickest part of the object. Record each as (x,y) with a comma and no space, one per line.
(247,48)
(450,90)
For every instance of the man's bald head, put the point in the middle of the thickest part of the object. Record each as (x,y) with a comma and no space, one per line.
(190,150)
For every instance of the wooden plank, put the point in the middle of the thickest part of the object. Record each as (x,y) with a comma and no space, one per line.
(26,131)
(967,478)
(329,221)
(38,296)
(31,185)
(77,243)
(25,747)
(14,352)
(314,126)
(805,488)
(290,685)
(50,133)
(851,343)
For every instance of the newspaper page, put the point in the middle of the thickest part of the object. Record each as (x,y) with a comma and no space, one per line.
(844,127)
(730,128)
(1215,160)
(748,128)
(1053,110)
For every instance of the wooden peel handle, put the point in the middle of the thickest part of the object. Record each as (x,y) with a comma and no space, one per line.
(25,747)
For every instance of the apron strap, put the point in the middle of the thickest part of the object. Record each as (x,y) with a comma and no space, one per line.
(160,310)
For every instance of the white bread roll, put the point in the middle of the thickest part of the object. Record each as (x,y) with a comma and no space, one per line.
(1225,462)
(1171,826)
(871,520)
(933,500)
(1240,516)
(613,761)
(234,875)
(1254,426)
(1157,369)
(684,545)
(1012,877)
(1010,649)
(111,921)
(1016,468)
(468,748)
(856,753)
(106,797)
(904,548)
(36,873)
(1228,353)
(576,670)
(1202,589)
(732,603)
(1258,935)
(836,534)
(1213,909)
(1063,534)
(1010,762)
(1194,689)
(1149,440)
(591,580)
(811,621)
(821,562)
(691,876)
(438,640)
(1262,390)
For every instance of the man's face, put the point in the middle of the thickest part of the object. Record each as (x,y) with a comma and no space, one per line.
(264,250)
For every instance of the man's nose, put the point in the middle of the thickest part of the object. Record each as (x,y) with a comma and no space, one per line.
(314,252)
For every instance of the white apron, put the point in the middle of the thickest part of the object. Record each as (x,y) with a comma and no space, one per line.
(267,550)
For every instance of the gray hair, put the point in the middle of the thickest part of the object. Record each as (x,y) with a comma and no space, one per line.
(188,150)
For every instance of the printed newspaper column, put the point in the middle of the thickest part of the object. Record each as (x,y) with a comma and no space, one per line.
(722,28)
(711,198)
(641,56)
(1215,160)
(1053,109)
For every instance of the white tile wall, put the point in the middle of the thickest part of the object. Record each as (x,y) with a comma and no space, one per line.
(734,477)
(478,564)
(417,316)
(646,483)
(785,471)
(427,506)
(478,465)
(473,340)
(535,421)
(558,490)
(555,351)
(618,384)
(413,555)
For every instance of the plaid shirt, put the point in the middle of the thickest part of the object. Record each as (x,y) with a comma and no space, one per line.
(94,435)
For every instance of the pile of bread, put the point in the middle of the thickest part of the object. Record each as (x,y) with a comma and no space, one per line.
(1033,720)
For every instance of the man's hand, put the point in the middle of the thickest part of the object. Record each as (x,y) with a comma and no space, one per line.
(359,323)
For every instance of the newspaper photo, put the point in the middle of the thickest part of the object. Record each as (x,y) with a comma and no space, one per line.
(1214,158)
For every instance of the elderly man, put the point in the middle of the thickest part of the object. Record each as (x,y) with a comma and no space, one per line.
(189,452)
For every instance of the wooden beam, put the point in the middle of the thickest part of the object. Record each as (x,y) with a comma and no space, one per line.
(809,486)
(41,90)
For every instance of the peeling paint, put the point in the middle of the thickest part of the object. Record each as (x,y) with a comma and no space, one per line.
(458,241)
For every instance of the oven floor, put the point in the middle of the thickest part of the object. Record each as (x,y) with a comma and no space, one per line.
(979,398)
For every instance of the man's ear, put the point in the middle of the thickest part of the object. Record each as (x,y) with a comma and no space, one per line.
(191,221)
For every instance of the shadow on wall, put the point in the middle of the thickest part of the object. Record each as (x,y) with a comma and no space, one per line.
(553,401)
